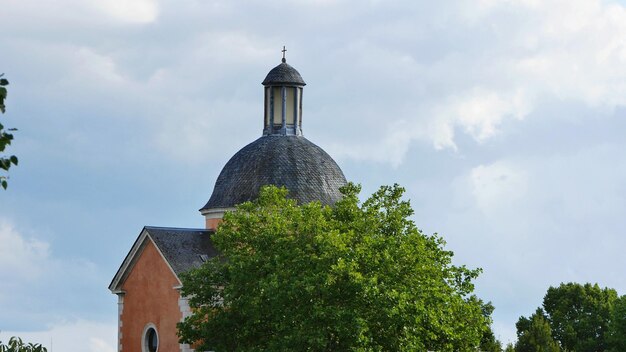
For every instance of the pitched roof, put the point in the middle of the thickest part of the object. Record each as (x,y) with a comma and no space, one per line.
(182,249)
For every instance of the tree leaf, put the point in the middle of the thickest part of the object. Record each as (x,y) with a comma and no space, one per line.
(355,277)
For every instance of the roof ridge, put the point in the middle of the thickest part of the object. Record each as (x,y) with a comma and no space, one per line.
(175,228)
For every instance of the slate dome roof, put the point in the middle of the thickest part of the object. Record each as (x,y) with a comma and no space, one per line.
(283,74)
(305,169)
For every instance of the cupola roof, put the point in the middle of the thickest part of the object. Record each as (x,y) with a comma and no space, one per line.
(283,74)
(305,169)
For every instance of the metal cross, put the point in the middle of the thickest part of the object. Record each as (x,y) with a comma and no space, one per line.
(284,50)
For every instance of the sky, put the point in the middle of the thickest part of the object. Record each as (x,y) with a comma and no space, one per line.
(504,121)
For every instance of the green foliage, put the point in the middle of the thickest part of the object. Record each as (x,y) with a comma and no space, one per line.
(3,92)
(354,277)
(509,348)
(534,334)
(488,342)
(5,136)
(579,315)
(616,339)
(16,344)
(581,318)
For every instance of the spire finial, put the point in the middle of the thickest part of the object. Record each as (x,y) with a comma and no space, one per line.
(284,50)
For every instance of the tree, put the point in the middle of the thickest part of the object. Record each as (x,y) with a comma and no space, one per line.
(534,334)
(616,339)
(352,277)
(579,315)
(16,344)
(5,136)
(488,342)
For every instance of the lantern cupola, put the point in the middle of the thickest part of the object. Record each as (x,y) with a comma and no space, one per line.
(283,100)
(282,156)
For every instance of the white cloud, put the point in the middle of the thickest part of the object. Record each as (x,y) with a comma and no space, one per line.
(135,11)
(72,336)
(567,49)
(492,61)
(577,51)
(508,58)
(478,112)
(535,221)
(32,277)
(87,15)
(498,186)
(391,149)
(574,50)
(21,258)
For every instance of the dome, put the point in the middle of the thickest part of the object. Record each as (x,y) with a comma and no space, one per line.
(283,74)
(305,169)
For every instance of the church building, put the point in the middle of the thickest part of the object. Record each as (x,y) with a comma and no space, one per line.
(147,283)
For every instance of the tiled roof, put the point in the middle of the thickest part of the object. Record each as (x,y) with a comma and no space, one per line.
(305,169)
(283,74)
(183,249)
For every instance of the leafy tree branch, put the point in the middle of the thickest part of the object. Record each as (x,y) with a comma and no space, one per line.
(16,344)
(5,136)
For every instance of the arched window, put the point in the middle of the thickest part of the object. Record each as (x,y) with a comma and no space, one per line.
(150,341)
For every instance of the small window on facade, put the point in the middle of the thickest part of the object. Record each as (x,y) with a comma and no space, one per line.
(151,340)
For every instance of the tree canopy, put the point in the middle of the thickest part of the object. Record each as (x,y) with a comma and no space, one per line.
(534,334)
(580,318)
(354,276)
(579,315)
(616,339)
(489,343)
(5,136)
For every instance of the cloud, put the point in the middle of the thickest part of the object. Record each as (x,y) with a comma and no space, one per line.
(86,14)
(71,336)
(499,61)
(576,50)
(478,112)
(35,283)
(21,258)
(556,200)
(455,70)
(535,221)
(136,11)
(497,186)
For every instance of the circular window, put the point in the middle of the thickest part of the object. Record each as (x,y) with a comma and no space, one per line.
(151,340)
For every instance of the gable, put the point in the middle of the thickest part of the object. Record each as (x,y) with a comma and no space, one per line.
(180,249)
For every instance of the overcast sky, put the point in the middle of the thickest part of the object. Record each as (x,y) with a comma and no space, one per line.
(504,120)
